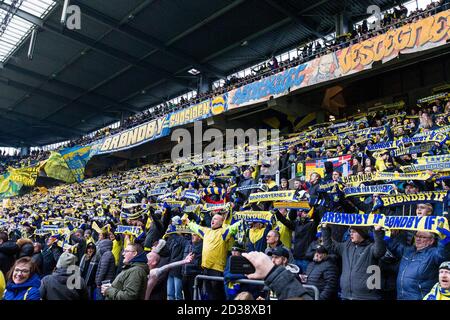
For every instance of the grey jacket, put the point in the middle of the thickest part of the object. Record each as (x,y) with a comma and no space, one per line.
(356,259)
(106,268)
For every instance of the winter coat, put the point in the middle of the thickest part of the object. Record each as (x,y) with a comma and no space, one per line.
(285,284)
(26,250)
(8,251)
(106,267)
(176,243)
(304,233)
(50,257)
(131,283)
(356,259)
(80,249)
(323,275)
(154,233)
(29,290)
(418,270)
(57,286)
(88,268)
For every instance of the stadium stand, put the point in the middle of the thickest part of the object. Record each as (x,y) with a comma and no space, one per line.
(346,177)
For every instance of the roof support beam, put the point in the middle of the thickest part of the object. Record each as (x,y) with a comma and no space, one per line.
(102,48)
(53,127)
(47,94)
(197,26)
(212,17)
(144,38)
(291,15)
(261,32)
(69,86)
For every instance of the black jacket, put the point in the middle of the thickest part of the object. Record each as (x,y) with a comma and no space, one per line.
(106,267)
(285,284)
(8,251)
(50,257)
(323,275)
(156,230)
(81,248)
(26,250)
(153,234)
(88,268)
(56,287)
(194,267)
(304,233)
(176,243)
(246,182)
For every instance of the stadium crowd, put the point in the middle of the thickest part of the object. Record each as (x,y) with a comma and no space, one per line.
(18,161)
(146,233)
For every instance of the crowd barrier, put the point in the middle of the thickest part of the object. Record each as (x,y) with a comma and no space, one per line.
(197,296)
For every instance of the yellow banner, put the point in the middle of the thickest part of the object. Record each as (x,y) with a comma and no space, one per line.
(255,216)
(56,168)
(25,176)
(272,196)
(292,205)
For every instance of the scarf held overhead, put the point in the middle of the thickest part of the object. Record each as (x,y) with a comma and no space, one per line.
(434,224)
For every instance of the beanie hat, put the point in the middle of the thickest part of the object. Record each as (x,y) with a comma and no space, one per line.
(321,249)
(66,260)
(362,231)
(445,265)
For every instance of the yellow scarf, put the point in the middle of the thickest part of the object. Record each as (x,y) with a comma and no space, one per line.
(255,234)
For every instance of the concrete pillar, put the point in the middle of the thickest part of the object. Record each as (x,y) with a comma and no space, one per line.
(342,23)
(320,116)
(204,84)
(24,151)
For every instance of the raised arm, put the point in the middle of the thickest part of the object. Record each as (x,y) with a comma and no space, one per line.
(331,245)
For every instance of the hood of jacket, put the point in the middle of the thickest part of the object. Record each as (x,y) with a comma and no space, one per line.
(61,275)
(140,258)
(34,281)
(293,268)
(104,246)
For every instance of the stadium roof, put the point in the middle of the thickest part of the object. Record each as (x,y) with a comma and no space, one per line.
(130,55)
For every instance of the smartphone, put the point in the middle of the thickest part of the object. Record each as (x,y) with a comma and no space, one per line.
(241,265)
(106,282)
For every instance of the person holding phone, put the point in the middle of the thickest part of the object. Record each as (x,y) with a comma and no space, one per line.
(281,281)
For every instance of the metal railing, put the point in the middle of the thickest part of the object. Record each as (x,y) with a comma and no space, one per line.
(309,288)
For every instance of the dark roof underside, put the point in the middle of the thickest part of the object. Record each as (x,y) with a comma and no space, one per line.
(130,55)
